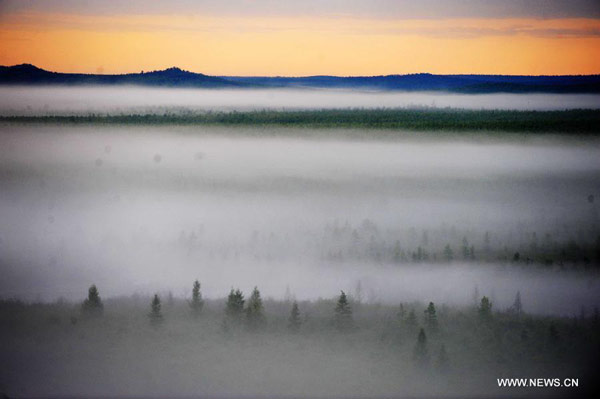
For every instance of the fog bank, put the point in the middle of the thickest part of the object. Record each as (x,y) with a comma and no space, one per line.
(139,210)
(38,100)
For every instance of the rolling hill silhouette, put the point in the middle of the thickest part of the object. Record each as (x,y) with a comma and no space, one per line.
(27,74)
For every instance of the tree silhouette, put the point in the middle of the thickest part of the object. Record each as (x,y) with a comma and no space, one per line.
(255,317)
(465,248)
(517,306)
(93,305)
(196,303)
(234,309)
(448,254)
(343,314)
(421,354)
(294,322)
(485,309)
(358,296)
(431,317)
(155,314)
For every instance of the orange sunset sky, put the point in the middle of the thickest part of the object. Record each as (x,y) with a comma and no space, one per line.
(352,37)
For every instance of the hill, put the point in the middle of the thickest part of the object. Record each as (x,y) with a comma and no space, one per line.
(27,74)
(428,82)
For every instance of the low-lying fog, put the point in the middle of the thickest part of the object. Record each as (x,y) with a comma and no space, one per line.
(68,100)
(145,209)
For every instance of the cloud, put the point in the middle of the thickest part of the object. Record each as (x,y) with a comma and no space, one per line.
(404,9)
(447,28)
(477,32)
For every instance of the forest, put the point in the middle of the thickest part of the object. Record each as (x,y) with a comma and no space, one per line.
(146,345)
(152,250)
(580,121)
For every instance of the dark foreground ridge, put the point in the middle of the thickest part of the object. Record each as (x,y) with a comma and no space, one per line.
(568,121)
(27,74)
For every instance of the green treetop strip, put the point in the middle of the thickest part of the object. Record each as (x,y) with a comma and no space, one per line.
(584,121)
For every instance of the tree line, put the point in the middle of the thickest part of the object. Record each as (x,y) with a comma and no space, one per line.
(582,121)
(238,311)
(248,314)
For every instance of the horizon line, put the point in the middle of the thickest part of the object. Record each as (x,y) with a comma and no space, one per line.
(289,76)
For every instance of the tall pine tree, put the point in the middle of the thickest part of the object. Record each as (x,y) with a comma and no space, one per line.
(155,314)
(431,317)
(93,305)
(448,253)
(343,314)
(485,309)
(255,317)
(196,303)
(517,306)
(421,353)
(294,321)
(234,309)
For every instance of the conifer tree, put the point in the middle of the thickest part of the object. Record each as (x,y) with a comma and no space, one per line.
(93,305)
(431,317)
(234,309)
(170,300)
(358,294)
(448,254)
(155,314)
(196,303)
(255,317)
(465,248)
(517,307)
(475,295)
(343,314)
(486,242)
(421,354)
(485,309)
(294,322)
(411,319)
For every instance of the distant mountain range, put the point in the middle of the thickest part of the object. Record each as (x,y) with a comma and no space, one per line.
(27,74)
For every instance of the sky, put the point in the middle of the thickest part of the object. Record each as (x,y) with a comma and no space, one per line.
(299,38)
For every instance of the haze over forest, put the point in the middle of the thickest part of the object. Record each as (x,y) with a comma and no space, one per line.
(317,199)
(284,207)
